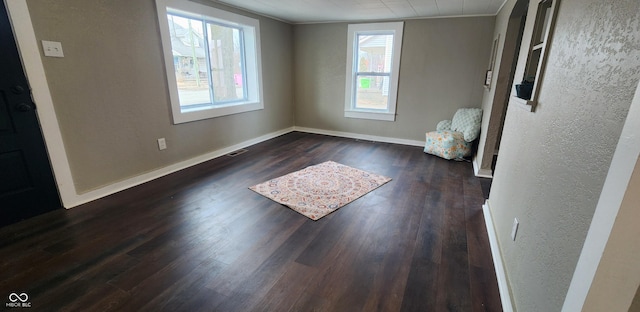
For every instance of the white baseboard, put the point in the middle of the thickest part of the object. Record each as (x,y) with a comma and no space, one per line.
(79,199)
(482,173)
(360,136)
(501,274)
(146,177)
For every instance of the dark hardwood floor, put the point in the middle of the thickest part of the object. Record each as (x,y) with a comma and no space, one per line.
(200,240)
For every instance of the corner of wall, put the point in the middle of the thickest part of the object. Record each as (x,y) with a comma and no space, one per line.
(624,164)
(479,172)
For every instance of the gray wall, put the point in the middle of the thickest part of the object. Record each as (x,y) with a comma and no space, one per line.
(110,90)
(553,162)
(442,69)
(635,305)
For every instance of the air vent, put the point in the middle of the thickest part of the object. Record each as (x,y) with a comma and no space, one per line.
(236,153)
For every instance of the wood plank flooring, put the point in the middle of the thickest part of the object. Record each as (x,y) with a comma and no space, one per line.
(200,240)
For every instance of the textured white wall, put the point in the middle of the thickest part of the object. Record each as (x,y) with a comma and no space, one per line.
(553,162)
(607,275)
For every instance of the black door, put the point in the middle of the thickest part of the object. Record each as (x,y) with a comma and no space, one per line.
(27,187)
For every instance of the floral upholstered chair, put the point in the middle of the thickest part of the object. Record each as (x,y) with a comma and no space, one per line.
(453,139)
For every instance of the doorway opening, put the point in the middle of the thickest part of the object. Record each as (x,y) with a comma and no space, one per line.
(506,73)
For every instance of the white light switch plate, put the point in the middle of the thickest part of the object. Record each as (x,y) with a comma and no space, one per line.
(162,144)
(52,48)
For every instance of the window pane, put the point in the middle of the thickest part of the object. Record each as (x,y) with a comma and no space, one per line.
(375,53)
(226,53)
(531,71)
(543,19)
(372,92)
(187,46)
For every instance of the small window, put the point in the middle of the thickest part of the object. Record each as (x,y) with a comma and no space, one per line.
(212,59)
(528,89)
(373,64)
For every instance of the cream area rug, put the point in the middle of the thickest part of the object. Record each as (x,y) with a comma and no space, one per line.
(319,190)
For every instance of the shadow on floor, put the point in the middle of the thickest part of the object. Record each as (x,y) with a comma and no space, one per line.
(485,183)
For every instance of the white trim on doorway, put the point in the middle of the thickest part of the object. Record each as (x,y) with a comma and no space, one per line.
(34,70)
(616,185)
(479,172)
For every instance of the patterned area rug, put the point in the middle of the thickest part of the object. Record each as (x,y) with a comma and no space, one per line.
(319,190)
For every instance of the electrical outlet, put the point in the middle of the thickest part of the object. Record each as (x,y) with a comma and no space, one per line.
(162,144)
(52,48)
(514,229)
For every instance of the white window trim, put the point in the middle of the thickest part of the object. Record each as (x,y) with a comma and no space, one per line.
(350,111)
(547,34)
(253,59)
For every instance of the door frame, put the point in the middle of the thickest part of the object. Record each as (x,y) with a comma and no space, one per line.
(506,67)
(33,67)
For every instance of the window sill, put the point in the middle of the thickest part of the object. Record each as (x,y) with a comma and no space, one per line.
(182,116)
(370,115)
(527,105)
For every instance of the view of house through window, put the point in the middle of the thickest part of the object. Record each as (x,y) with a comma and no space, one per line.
(212,59)
(373,71)
(373,65)
(208,62)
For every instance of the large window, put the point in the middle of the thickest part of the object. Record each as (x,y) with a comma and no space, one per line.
(373,63)
(212,59)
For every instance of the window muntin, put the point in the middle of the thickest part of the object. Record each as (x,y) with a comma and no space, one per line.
(373,62)
(212,58)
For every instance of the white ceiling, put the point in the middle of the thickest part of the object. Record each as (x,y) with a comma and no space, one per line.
(318,11)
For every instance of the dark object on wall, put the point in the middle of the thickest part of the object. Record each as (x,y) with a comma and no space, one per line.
(524,89)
